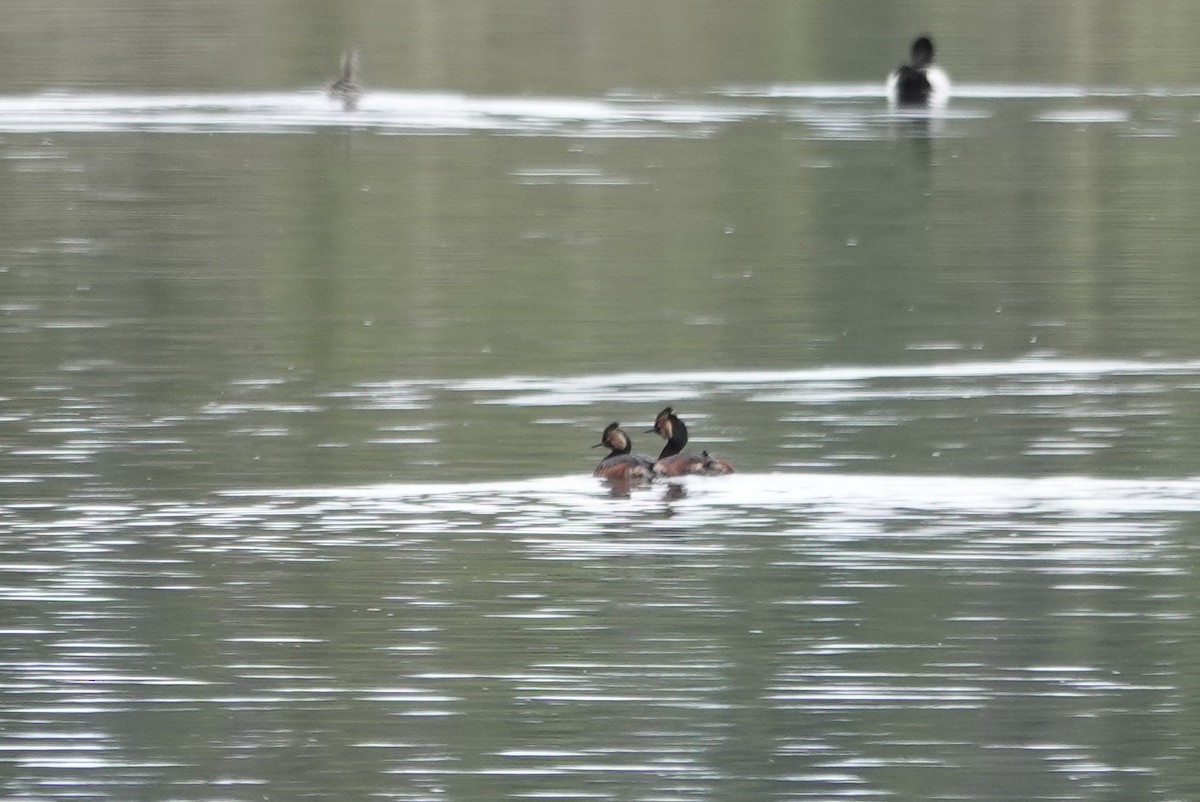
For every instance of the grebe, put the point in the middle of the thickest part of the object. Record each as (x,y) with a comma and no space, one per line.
(620,465)
(673,463)
(347,88)
(920,82)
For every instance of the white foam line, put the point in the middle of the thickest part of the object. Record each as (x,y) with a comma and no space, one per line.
(1078,116)
(1077,495)
(1017,367)
(968,91)
(64,111)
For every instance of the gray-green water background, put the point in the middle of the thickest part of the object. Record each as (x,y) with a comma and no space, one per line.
(296,406)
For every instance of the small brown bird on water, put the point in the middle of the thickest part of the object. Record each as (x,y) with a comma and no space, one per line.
(347,88)
(620,465)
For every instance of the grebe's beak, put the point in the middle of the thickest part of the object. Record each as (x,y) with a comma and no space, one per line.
(599,444)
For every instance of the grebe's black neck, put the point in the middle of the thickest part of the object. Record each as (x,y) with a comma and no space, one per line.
(676,433)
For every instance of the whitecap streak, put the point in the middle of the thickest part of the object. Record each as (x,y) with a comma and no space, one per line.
(385,111)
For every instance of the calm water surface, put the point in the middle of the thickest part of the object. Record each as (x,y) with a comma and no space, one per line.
(296,406)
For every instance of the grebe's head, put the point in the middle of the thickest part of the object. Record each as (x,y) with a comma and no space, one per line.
(615,439)
(664,423)
(922,52)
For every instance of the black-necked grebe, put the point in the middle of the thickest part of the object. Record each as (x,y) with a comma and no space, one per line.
(919,82)
(347,88)
(672,462)
(620,465)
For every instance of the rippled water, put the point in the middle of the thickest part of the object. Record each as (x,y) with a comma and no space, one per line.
(756,634)
(298,408)
(794,633)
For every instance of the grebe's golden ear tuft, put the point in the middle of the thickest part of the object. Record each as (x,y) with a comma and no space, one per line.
(618,440)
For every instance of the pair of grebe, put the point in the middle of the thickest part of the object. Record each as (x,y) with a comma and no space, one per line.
(621,465)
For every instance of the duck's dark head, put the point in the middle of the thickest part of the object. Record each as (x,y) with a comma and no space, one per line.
(921,54)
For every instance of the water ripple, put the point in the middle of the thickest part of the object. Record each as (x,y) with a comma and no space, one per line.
(769,634)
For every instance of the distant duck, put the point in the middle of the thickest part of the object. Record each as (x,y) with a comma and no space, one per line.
(672,461)
(620,465)
(347,88)
(920,82)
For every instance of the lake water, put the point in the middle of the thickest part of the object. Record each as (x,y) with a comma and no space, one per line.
(297,405)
